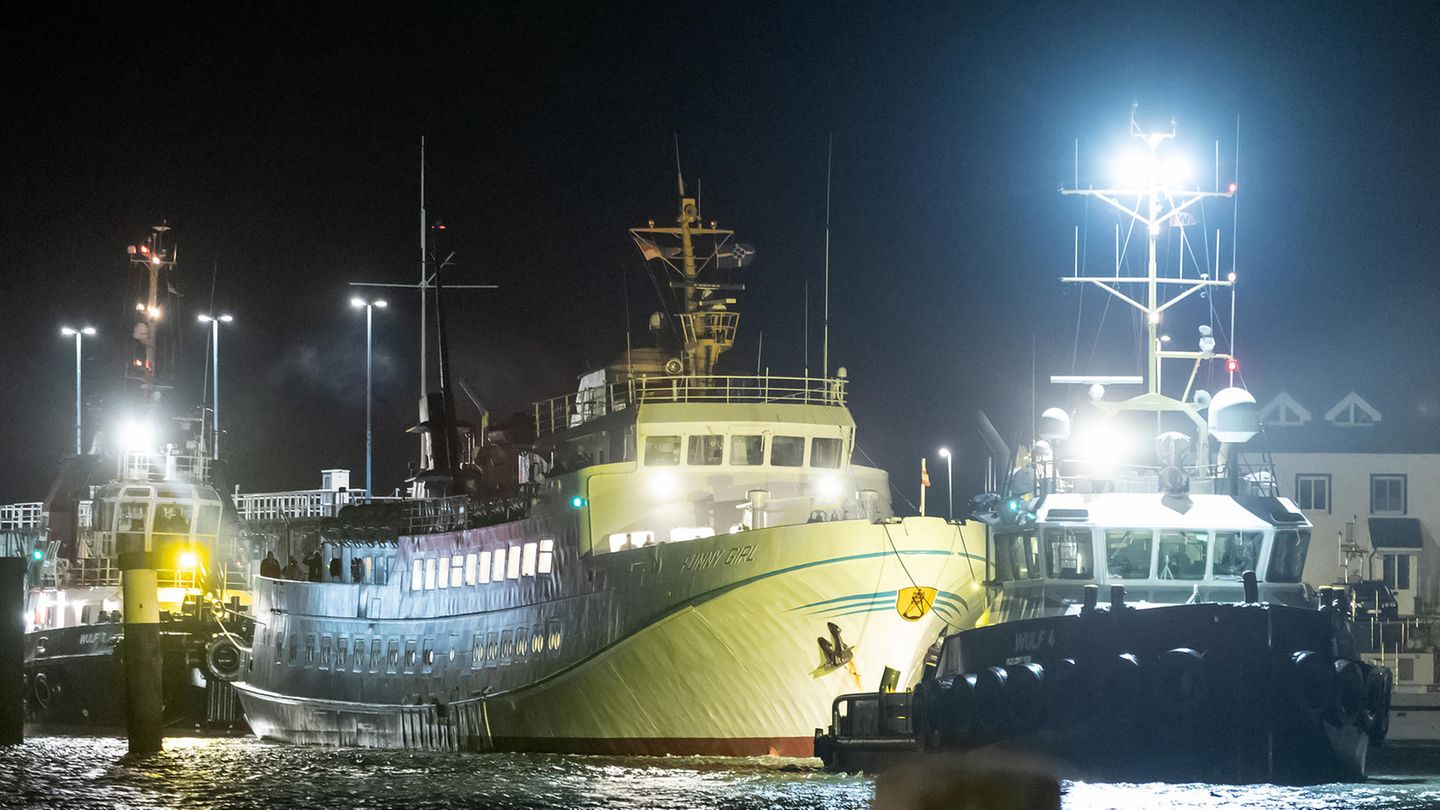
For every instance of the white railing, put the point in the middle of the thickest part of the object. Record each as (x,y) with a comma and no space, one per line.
(165,467)
(21,515)
(578,408)
(299,503)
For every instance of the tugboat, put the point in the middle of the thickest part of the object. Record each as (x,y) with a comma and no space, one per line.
(671,560)
(131,483)
(1212,661)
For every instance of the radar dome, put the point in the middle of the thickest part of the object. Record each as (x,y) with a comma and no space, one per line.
(1234,416)
(1054,425)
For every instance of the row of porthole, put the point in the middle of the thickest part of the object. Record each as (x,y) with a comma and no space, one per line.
(497,647)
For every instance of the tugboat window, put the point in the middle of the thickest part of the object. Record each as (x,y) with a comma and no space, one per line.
(825,453)
(1287,557)
(1127,553)
(1018,557)
(787,451)
(1236,553)
(706,451)
(662,451)
(1183,555)
(747,451)
(1069,554)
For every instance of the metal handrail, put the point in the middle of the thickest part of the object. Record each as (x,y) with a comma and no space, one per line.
(571,410)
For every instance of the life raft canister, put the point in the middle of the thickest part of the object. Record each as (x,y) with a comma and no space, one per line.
(222,659)
(1178,682)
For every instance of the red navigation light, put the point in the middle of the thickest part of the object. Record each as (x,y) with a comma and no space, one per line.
(1233,187)
(1232,365)
(145,249)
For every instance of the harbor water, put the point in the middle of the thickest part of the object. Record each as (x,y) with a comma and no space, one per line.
(240,772)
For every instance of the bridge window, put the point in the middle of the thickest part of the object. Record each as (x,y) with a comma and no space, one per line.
(624,541)
(417,574)
(429,573)
(483,570)
(527,565)
(706,451)
(1236,553)
(512,563)
(1287,558)
(825,453)
(547,556)
(1182,555)
(470,568)
(1069,554)
(747,451)
(662,451)
(457,570)
(1127,553)
(787,451)
(498,570)
(1017,556)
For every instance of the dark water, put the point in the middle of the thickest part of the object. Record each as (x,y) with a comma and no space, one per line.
(84,772)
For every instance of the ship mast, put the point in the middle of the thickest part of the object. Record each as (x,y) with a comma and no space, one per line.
(1155,185)
(152,257)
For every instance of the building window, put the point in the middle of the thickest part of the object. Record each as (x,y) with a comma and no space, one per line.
(1312,492)
(546,563)
(527,564)
(1387,494)
(706,451)
(1396,571)
(1407,670)
(662,451)
(747,451)
(787,451)
(825,453)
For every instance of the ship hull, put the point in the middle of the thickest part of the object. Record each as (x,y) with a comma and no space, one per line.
(734,670)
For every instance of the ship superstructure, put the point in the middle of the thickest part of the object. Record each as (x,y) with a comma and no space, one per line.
(669,560)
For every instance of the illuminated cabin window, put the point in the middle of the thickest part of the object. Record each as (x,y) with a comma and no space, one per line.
(342,649)
(410,649)
(747,451)
(705,451)
(417,574)
(787,451)
(527,560)
(427,655)
(325,652)
(375,654)
(662,451)
(492,647)
(454,640)
(1236,553)
(825,453)
(522,641)
(457,570)
(680,534)
(392,661)
(507,644)
(477,650)
(1127,553)
(470,560)
(442,570)
(1183,554)
(497,571)
(484,567)
(624,541)
(546,563)
(1069,554)
(429,573)
(512,563)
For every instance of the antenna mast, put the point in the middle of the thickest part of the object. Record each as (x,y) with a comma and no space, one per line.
(825,338)
(424,280)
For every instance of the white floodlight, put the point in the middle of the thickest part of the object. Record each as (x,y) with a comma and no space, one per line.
(381,303)
(1177,171)
(137,435)
(358,303)
(944,452)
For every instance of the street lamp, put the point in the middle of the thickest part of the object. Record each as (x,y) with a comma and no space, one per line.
(369,307)
(215,321)
(949,481)
(83,332)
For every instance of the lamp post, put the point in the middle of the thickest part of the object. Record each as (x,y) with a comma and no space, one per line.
(215,321)
(949,481)
(369,307)
(83,332)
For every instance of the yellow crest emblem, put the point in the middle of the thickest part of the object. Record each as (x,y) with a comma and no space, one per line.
(913,603)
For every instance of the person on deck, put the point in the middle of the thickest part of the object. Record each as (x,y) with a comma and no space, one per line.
(292,569)
(270,567)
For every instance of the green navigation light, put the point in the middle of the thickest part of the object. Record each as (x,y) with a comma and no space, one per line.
(577,502)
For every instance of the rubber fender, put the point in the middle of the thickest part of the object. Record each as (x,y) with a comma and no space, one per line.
(1066,691)
(991,697)
(1311,683)
(1378,687)
(1121,684)
(956,718)
(41,690)
(1349,698)
(1024,696)
(222,659)
(924,714)
(1178,682)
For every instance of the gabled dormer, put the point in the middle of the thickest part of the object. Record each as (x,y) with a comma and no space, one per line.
(1284,411)
(1352,411)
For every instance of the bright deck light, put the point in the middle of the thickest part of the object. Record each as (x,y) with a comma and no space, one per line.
(188,561)
(136,435)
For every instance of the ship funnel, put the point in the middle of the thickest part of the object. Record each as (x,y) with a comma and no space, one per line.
(1234,416)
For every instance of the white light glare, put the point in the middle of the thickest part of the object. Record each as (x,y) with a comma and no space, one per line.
(137,435)
(1133,169)
(944,452)
(664,485)
(358,303)
(1177,171)
(827,487)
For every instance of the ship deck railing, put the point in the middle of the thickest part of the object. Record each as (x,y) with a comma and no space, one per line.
(168,466)
(1080,476)
(300,503)
(21,515)
(104,572)
(585,405)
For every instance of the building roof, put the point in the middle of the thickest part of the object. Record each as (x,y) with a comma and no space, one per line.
(1315,418)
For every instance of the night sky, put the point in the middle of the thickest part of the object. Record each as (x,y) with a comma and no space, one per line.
(282,144)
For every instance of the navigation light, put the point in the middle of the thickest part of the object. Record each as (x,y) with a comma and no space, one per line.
(577,502)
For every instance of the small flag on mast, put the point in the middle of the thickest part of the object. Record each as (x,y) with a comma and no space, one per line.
(648,249)
(924,474)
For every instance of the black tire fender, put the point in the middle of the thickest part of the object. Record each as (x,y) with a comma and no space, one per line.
(1178,682)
